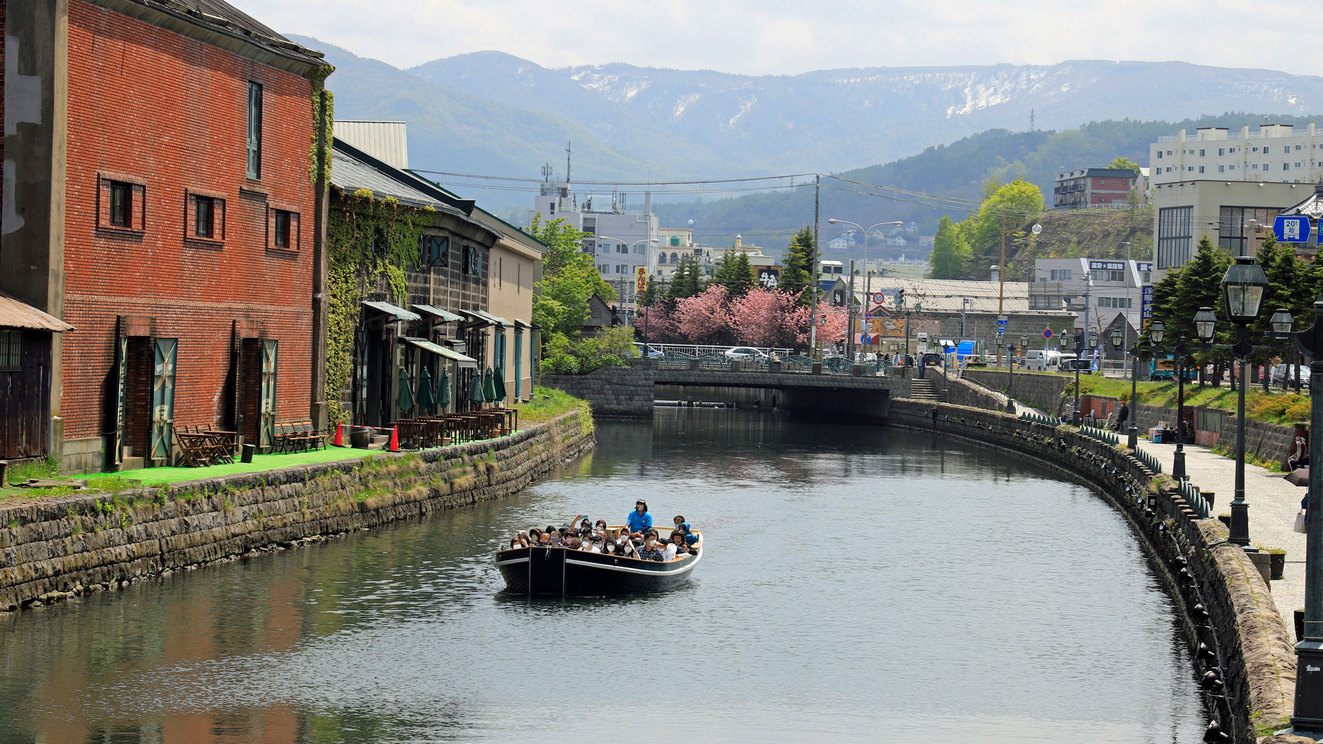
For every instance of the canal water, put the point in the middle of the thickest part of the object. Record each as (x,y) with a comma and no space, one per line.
(859,584)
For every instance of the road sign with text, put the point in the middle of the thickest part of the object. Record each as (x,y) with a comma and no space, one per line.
(1291,228)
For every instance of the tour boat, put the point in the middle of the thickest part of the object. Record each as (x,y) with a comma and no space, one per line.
(568,572)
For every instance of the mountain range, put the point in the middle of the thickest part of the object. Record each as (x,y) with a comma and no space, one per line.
(493,114)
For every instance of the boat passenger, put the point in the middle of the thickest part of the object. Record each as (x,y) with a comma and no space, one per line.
(544,540)
(640,519)
(609,546)
(669,552)
(652,550)
(678,540)
(585,526)
(600,526)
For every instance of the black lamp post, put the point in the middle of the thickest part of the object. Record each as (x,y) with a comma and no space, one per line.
(1157,331)
(1307,715)
(1132,433)
(1079,356)
(1010,370)
(1242,293)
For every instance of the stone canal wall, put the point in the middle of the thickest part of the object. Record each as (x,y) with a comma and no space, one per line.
(1235,630)
(1042,391)
(51,550)
(612,391)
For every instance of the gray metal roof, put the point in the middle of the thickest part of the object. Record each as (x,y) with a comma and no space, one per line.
(395,311)
(16,314)
(462,360)
(436,313)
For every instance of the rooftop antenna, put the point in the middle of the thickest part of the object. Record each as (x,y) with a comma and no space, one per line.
(546,172)
(1031,120)
(567,161)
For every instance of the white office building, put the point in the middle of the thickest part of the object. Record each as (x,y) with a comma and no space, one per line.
(1096,289)
(1273,152)
(623,242)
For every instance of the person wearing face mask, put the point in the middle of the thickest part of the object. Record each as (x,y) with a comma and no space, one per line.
(639,520)
(652,550)
(609,547)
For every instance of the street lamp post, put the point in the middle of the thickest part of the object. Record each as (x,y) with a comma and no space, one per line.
(1307,714)
(1079,361)
(1132,433)
(1242,293)
(1010,367)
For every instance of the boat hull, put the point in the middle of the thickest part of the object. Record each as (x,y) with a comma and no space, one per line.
(576,573)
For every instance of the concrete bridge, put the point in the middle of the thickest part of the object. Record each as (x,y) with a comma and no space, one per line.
(633,391)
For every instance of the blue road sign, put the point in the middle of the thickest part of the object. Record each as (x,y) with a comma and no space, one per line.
(865,339)
(1001,323)
(868,316)
(1047,333)
(1291,228)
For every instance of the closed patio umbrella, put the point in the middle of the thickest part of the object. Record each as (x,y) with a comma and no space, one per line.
(475,388)
(498,381)
(443,389)
(488,386)
(425,398)
(406,392)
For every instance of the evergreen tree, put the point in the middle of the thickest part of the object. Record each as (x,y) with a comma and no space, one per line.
(735,274)
(951,253)
(797,269)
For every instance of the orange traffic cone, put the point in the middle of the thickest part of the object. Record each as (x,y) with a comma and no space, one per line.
(395,439)
(339,440)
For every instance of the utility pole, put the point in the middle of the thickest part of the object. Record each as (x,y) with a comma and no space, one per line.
(850,316)
(813,270)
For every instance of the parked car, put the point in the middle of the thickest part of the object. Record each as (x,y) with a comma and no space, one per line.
(647,350)
(745,353)
(1283,375)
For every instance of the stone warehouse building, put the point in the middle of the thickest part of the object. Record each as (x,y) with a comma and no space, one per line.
(159,195)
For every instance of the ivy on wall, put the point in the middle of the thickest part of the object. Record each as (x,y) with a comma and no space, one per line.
(372,243)
(323,118)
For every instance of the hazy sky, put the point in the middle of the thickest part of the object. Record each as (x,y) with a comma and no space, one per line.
(792,36)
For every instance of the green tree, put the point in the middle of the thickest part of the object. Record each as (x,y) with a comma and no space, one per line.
(1011,209)
(797,268)
(735,274)
(951,253)
(569,279)
(651,293)
(1124,163)
(686,282)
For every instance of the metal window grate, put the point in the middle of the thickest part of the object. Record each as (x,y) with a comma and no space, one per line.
(11,350)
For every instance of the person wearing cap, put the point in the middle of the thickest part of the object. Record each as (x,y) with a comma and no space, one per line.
(640,519)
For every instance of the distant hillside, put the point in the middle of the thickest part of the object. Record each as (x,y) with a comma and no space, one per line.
(955,172)
(494,114)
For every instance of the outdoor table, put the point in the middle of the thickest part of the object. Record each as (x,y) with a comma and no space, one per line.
(227,439)
(196,449)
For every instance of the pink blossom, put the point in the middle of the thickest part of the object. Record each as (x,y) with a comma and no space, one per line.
(765,317)
(704,318)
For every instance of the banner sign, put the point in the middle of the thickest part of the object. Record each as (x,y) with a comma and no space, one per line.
(1107,266)
(1146,306)
(642,279)
(769,278)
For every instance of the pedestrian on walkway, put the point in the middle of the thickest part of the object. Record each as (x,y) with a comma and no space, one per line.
(1299,457)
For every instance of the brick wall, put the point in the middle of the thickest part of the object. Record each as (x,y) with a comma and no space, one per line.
(3,30)
(169,114)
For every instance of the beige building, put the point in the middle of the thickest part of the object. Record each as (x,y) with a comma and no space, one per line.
(1233,214)
(516,263)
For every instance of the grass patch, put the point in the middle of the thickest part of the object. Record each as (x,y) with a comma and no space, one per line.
(547,404)
(1273,408)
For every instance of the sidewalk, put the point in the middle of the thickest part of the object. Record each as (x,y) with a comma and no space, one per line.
(1272,504)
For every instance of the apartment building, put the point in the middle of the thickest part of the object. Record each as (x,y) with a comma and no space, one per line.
(1273,152)
(1093,188)
(1095,290)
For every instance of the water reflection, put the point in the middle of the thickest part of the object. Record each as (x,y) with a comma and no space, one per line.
(860,584)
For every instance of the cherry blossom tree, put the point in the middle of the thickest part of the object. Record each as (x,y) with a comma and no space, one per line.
(765,317)
(660,325)
(704,318)
(833,329)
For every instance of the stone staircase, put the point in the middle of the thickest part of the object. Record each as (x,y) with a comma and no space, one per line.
(924,390)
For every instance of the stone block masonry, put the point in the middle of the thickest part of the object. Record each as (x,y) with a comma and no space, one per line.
(52,550)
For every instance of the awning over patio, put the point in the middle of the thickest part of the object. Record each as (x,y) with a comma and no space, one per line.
(439,314)
(464,362)
(385,308)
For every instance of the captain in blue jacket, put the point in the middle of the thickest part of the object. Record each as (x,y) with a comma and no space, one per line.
(640,520)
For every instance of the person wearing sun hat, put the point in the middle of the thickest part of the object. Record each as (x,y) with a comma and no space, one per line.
(640,519)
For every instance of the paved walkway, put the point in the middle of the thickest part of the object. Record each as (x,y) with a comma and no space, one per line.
(1272,504)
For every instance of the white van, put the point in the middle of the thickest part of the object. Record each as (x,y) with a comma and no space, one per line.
(1046,360)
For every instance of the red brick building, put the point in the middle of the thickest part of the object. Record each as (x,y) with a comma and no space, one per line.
(159,196)
(1089,188)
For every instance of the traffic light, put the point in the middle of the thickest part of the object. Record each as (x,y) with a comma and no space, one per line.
(900,297)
